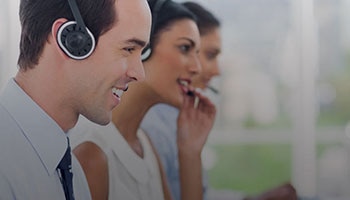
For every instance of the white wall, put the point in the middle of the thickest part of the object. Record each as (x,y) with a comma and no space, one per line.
(9,40)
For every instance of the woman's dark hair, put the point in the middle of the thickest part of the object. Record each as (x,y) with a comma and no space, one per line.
(206,21)
(37,17)
(166,15)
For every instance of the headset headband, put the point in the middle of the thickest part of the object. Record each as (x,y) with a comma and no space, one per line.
(77,16)
(147,51)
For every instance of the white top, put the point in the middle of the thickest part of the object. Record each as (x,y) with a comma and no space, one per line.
(130,176)
(31,146)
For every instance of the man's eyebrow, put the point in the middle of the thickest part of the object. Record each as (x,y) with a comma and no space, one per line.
(136,41)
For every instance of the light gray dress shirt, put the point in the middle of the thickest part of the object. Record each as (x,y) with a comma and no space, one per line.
(31,146)
(160,124)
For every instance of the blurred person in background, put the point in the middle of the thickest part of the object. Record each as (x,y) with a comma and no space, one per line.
(160,122)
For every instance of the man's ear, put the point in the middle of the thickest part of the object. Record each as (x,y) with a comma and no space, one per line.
(76,41)
(53,36)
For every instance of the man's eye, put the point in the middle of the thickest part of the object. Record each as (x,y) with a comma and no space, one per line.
(129,49)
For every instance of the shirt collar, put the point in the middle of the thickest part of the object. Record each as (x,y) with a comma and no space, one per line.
(47,138)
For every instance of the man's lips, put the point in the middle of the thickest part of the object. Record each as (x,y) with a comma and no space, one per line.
(119,92)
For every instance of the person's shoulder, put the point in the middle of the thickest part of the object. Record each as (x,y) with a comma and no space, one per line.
(160,118)
(94,163)
(5,121)
(6,191)
(9,129)
(5,116)
(90,156)
(165,108)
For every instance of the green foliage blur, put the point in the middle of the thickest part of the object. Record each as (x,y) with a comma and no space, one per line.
(338,113)
(250,168)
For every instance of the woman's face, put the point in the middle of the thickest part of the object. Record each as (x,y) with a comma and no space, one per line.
(209,51)
(174,62)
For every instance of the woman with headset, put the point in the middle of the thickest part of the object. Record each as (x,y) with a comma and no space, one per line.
(160,121)
(118,159)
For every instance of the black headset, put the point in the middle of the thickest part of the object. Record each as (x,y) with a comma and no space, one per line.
(74,38)
(147,51)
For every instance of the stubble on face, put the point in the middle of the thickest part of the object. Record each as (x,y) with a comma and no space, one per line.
(113,57)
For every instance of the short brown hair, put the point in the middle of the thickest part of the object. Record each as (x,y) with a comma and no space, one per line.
(37,17)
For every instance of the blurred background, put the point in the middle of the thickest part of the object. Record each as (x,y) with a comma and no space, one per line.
(284,102)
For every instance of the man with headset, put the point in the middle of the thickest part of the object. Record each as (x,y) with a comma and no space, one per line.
(75,58)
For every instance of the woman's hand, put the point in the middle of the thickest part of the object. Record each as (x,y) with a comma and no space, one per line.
(195,120)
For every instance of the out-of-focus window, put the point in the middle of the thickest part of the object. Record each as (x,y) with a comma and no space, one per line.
(2,41)
(9,39)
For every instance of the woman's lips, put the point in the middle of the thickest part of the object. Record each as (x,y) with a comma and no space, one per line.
(185,86)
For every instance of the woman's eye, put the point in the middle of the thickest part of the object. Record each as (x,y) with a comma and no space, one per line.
(185,48)
(211,55)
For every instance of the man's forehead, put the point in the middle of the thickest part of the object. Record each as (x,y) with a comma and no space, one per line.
(132,22)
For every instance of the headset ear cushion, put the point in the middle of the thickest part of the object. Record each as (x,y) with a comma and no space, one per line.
(146,53)
(75,42)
